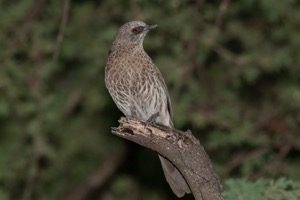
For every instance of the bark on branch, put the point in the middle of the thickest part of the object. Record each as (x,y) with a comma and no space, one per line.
(182,149)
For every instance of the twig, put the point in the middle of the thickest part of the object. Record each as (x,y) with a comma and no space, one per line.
(97,179)
(243,157)
(78,94)
(22,28)
(180,148)
(222,11)
(34,170)
(200,4)
(33,177)
(226,54)
(60,36)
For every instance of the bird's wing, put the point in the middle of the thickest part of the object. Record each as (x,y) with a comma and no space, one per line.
(163,83)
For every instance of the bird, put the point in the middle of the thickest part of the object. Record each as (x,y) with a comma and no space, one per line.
(138,89)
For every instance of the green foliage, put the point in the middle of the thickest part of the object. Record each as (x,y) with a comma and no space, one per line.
(262,189)
(233,76)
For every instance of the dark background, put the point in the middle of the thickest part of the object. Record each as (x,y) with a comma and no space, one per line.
(232,69)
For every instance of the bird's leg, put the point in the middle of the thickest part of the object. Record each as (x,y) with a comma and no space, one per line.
(153,117)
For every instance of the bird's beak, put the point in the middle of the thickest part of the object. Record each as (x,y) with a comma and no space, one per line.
(149,27)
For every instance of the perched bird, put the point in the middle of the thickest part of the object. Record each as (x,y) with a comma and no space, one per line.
(138,88)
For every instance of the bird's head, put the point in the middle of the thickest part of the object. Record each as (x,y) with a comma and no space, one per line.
(132,33)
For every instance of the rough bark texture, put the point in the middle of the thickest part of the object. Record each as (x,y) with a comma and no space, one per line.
(182,149)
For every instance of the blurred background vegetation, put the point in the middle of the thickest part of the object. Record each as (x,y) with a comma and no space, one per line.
(233,74)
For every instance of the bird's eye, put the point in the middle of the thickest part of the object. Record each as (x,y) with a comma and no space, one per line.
(137,30)
(134,30)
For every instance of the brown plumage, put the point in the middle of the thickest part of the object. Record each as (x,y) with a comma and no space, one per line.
(138,88)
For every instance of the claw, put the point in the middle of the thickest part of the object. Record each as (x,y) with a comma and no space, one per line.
(152,119)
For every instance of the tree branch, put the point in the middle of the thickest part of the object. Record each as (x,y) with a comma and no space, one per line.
(182,149)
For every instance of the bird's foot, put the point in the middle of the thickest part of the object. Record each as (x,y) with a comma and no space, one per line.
(153,117)
(130,118)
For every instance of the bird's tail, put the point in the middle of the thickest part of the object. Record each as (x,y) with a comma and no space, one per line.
(175,179)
